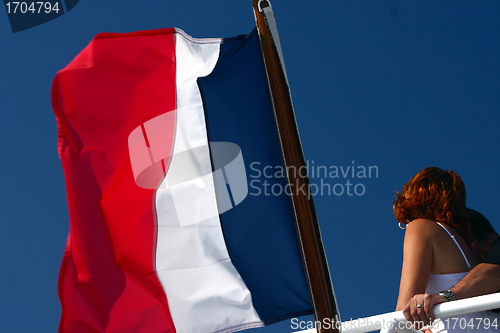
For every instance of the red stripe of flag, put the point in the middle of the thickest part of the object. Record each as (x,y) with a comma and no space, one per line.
(108,281)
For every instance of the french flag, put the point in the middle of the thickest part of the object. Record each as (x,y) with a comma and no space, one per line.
(160,135)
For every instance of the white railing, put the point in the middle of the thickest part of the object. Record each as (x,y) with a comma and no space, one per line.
(449,309)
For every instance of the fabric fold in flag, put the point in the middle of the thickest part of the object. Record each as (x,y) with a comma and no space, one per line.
(161,138)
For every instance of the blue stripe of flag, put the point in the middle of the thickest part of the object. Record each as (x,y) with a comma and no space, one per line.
(259,232)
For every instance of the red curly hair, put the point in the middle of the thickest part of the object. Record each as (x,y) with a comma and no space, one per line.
(434,194)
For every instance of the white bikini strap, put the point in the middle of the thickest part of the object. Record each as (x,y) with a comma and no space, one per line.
(453,237)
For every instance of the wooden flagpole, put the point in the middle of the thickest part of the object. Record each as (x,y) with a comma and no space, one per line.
(306,222)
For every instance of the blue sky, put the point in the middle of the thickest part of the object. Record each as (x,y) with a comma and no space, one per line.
(400,85)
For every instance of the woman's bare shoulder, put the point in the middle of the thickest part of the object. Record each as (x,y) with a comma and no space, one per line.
(422,227)
(422,223)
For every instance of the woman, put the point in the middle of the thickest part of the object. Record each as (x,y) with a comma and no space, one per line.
(437,238)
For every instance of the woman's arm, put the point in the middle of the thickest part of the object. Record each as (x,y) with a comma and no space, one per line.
(417,260)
